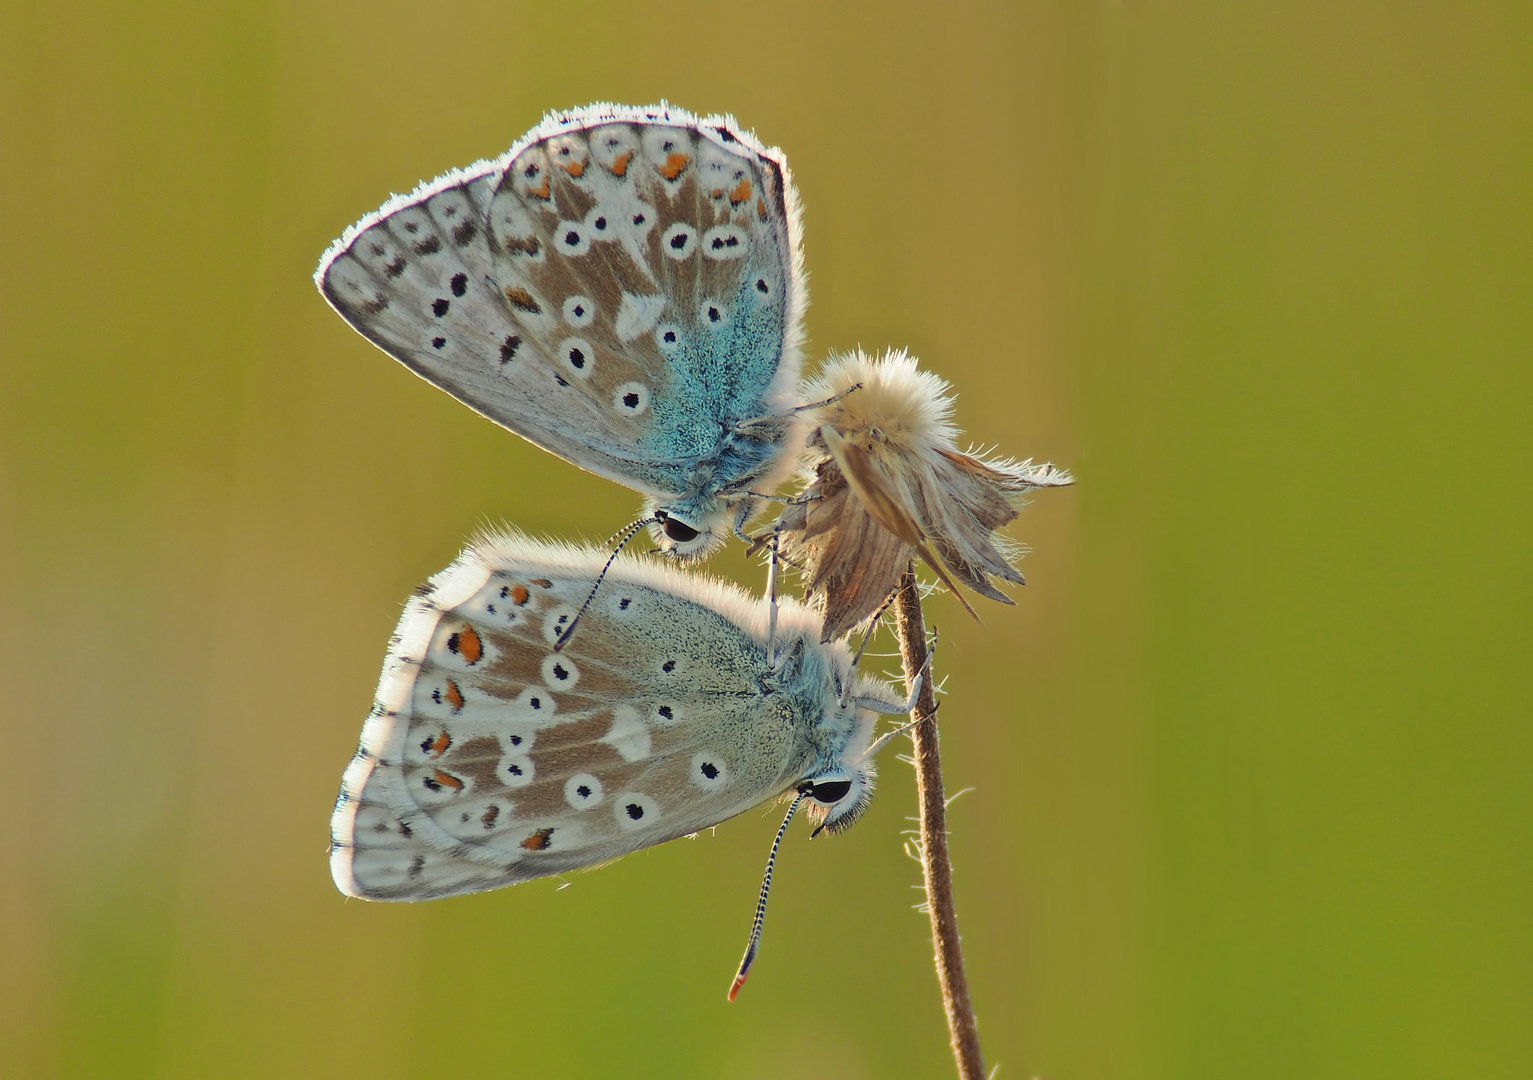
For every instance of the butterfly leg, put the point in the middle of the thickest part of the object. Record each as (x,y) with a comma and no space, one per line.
(788,500)
(889,708)
(828,401)
(904,709)
(867,639)
(772,597)
(743,514)
(756,425)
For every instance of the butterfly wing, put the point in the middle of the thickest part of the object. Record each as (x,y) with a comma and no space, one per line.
(490,759)
(623,288)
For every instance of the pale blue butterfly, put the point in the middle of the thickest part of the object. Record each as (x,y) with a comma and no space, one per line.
(490,758)
(623,287)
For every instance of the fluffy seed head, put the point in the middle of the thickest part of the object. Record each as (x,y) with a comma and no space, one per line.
(897,405)
(891,485)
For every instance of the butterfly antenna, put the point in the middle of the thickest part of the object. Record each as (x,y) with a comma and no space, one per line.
(766,887)
(626,535)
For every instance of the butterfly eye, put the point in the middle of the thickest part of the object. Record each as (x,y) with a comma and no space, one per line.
(829,792)
(678,530)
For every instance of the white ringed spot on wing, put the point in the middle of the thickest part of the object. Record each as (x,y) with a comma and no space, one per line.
(583,791)
(519,739)
(577,357)
(560,672)
(640,220)
(633,810)
(579,311)
(535,704)
(516,770)
(725,242)
(571,238)
(669,337)
(709,771)
(713,314)
(631,399)
(603,223)
(679,241)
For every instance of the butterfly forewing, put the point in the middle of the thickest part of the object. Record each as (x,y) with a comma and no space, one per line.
(622,288)
(491,759)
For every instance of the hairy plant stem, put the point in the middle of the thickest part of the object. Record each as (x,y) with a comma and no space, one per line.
(910,626)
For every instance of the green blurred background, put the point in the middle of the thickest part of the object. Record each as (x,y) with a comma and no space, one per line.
(1250,758)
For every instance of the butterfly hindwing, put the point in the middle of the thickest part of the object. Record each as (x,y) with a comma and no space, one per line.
(623,288)
(491,759)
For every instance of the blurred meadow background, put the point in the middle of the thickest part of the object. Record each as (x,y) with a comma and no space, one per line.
(1249,760)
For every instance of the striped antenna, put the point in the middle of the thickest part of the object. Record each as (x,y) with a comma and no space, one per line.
(766,887)
(626,534)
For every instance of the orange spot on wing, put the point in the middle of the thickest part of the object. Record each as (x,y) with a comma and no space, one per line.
(674,164)
(741,192)
(523,300)
(760,208)
(447,780)
(454,698)
(575,168)
(620,165)
(519,595)
(541,191)
(516,245)
(466,644)
(539,840)
(438,746)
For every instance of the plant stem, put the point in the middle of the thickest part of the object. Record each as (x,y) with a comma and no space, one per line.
(910,626)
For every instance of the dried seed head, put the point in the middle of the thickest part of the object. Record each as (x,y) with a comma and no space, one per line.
(892,485)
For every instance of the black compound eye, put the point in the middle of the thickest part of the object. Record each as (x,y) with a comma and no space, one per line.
(830,792)
(680,531)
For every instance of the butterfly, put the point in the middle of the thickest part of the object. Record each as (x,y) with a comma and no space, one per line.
(623,287)
(489,758)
